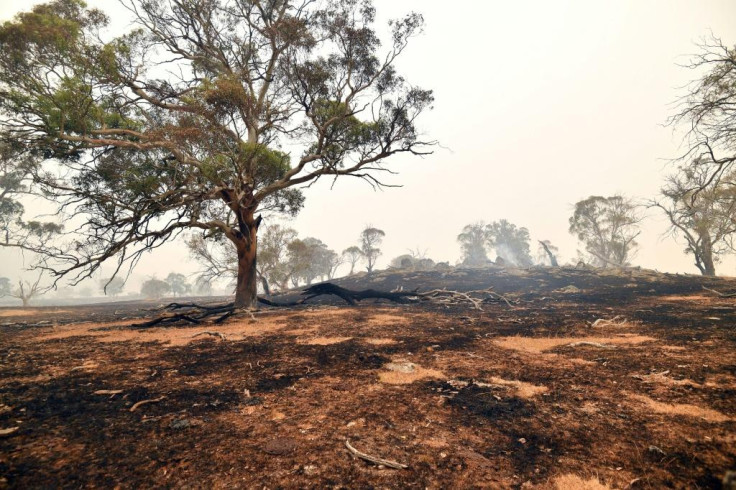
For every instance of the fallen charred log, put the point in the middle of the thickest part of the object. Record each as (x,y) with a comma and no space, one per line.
(352,297)
(194,313)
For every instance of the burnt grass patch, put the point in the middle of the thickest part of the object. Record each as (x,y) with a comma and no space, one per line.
(221,402)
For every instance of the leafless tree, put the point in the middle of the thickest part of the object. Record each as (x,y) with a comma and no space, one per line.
(707,110)
(27,290)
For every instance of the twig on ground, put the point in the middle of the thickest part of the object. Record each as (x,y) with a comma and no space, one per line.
(210,332)
(145,402)
(108,392)
(617,320)
(373,459)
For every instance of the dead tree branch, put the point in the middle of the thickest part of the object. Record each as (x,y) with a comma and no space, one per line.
(373,459)
(210,332)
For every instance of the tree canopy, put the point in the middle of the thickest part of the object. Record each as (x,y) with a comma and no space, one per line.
(510,242)
(473,244)
(370,241)
(607,227)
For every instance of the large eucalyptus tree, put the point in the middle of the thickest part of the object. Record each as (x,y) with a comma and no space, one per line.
(205,115)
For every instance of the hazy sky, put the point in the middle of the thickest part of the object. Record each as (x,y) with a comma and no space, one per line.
(538,104)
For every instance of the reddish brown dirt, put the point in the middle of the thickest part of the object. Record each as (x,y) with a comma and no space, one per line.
(496,398)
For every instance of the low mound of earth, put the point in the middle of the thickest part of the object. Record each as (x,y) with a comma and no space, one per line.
(591,379)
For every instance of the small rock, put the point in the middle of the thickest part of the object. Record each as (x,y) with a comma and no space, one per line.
(180,424)
(522,440)
(279,446)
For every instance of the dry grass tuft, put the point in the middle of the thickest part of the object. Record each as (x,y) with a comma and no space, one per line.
(379,341)
(523,390)
(574,482)
(687,410)
(401,372)
(28,312)
(324,340)
(169,336)
(540,344)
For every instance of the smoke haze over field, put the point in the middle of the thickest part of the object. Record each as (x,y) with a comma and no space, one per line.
(538,104)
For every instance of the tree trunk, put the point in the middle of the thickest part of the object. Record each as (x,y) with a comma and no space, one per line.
(707,256)
(26,301)
(246,290)
(552,258)
(264,284)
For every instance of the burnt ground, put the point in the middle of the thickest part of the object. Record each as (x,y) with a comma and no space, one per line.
(500,398)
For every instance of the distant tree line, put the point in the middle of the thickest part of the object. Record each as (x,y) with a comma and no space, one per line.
(285,260)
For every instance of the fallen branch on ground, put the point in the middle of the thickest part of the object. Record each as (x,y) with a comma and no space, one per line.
(722,295)
(145,402)
(209,332)
(373,459)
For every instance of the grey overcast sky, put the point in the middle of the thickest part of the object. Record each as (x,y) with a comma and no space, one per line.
(538,104)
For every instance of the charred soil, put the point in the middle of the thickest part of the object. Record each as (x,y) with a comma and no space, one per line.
(621,379)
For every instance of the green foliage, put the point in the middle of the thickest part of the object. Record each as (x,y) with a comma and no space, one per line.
(155,288)
(273,257)
(607,226)
(473,244)
(178,284)
(345,131)
(352,255)
(510,242)
(370,239)
(16,169)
